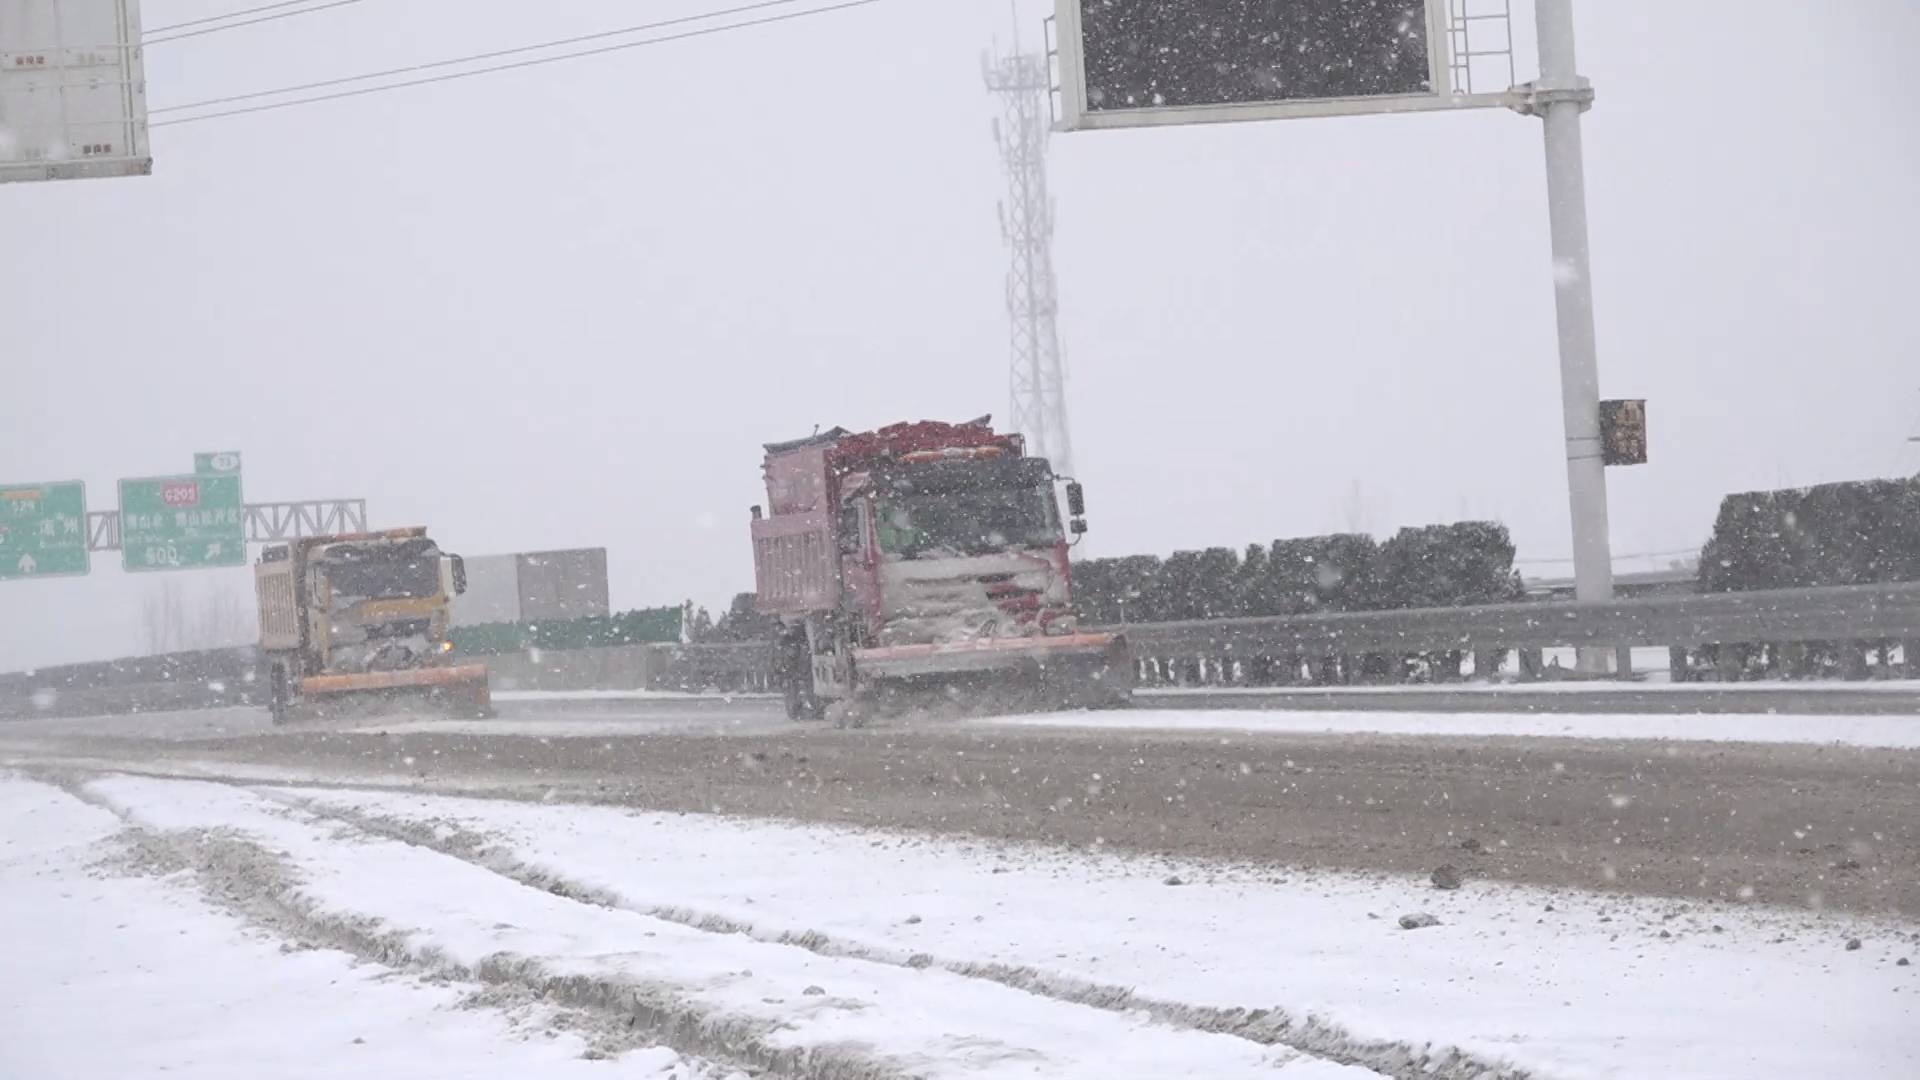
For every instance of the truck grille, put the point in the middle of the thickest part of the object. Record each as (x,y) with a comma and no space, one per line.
(399,628)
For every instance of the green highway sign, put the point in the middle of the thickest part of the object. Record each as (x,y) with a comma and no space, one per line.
(225,461)
(43,530)
(182,522)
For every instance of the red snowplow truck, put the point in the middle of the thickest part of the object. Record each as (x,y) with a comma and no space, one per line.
(925,556)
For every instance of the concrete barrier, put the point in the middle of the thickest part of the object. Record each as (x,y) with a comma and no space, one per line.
(729,667)
(622,667)
(201,679)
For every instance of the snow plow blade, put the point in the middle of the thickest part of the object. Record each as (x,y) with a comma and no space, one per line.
(463,689)
(1083,670)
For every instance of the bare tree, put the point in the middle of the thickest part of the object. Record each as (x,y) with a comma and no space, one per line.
(160,616)
(1357,510)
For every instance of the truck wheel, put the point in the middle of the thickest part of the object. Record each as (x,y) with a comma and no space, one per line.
(278,693)
(795,668)
(802,703)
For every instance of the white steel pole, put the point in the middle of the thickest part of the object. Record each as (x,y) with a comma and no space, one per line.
(1561,96)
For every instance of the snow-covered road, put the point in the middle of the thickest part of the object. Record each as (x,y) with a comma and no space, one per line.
(111,973)
(820,951)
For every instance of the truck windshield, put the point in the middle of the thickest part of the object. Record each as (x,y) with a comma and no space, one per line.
(966,522)
(385,573)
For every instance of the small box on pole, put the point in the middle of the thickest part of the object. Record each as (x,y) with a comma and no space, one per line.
(1623,431)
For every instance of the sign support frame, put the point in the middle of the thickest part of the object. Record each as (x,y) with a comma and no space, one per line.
(1558,97)
(75,66)
(1069,43)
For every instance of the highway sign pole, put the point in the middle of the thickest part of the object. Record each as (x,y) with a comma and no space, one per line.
(1558,97)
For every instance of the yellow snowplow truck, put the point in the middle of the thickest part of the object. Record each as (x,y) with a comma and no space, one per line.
(363,617)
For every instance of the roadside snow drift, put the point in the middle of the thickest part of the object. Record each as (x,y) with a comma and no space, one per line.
(1557,983)
(110,976)
(828,953)
(1896,732)
(776,1006)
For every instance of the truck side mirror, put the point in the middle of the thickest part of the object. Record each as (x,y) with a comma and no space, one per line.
(1076,500)
(1078,526)
(459,575)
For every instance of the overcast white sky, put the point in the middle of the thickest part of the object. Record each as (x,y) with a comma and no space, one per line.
(564,306)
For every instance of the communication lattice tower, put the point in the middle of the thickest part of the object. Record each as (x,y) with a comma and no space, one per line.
(1038,381)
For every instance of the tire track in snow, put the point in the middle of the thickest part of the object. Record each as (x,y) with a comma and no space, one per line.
(242,876)
(1270,1026)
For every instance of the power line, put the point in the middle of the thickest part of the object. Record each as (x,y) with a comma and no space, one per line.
(703,32)
(476,57)
(150,41)
(1694,551)
(224,18)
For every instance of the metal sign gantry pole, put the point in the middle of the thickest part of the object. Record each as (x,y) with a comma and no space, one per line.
(1558,97)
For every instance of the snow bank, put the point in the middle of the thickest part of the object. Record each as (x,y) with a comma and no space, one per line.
(626,695)
(782,1006)
(107,976)
(1560,982)
(1570,686)
(1898,732)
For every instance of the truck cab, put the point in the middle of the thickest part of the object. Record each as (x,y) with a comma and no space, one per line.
(957,548)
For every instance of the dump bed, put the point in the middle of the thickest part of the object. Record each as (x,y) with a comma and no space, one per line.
(799,479)
(795,564)
(275,584)
(795,558)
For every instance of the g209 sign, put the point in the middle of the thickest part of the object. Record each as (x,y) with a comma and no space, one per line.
(182,522)
(181,493)
(1135,63)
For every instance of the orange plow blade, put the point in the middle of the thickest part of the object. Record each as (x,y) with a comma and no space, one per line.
(464,686)
(1089,670)
(986,654)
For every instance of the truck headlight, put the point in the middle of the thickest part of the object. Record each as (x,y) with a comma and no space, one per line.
(446,646)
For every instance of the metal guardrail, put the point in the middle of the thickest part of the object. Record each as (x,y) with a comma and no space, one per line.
(216,677)
(1786,616)
(1852,613)
(1844,613)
